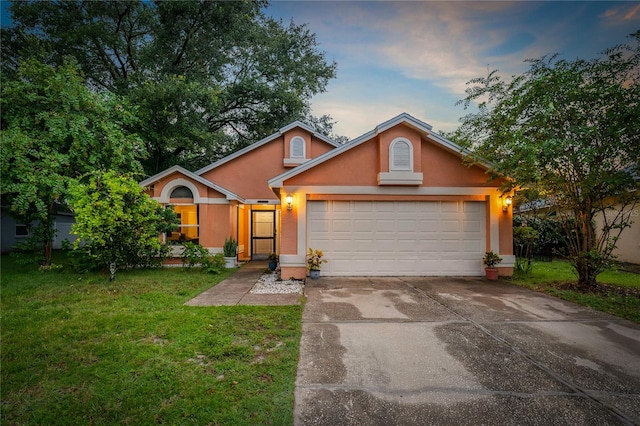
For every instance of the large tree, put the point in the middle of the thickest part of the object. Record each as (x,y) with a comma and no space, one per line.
(568,130)
(53,130)
(208,77)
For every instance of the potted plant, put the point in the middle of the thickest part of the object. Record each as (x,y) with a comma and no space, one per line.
(229,251)
(273,261)
(491,259)
(314,261)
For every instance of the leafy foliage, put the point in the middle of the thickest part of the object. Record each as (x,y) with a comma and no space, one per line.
(194,255)
(491,259)
(53,129)
(547,233)
(524,239)
(208,77)
(230,247)
(117,223)
(314,259)
(571,131)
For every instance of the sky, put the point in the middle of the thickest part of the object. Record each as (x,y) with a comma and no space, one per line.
(417,56)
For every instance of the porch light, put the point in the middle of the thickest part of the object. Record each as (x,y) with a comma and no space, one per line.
(507,203)
(289,199)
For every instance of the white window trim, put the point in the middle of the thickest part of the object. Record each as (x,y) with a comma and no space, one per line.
(395,142)
(298,139)
(169,187)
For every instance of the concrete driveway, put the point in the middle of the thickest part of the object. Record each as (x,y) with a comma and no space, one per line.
(458,351)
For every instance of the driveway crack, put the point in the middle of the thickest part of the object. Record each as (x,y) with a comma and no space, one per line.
(531,359)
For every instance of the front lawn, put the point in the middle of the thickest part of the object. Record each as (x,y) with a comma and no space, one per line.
(78,349)
(617,294)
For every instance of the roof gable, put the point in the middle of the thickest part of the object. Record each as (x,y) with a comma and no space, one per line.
(177,169)
(264,141)
(404,118)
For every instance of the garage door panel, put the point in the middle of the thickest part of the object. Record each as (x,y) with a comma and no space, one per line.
(341,225)
(449,206)
(319,225)
(473,246)
(386,225)
(429,225)
(450,226)
(471,226)
(407,225)
(473,207)
(384,246)
(340,206)
(363,225)
(363,206)
(398,238)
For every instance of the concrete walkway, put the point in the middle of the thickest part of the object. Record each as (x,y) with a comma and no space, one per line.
(235,290)
(460,351)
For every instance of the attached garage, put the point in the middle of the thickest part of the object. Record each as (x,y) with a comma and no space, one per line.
(387,238)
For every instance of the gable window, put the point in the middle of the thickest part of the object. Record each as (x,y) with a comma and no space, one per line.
(296,147)
(401,155)
(401,165)
(181,192)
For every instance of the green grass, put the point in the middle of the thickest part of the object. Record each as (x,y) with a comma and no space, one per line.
(78,349)
(557,278)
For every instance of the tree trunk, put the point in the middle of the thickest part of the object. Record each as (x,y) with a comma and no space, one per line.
(587,266)
(48,244)
(113,267)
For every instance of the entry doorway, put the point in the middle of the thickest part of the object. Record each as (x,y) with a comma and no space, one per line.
(263,233)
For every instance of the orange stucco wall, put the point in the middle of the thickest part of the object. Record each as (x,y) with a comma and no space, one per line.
(248,174)
(353,168)
(216,224)
(289,221)
(357,166)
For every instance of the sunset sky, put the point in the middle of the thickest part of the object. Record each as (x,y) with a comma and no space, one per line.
(416,56)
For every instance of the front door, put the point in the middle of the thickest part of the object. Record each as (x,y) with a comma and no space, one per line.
(263,234)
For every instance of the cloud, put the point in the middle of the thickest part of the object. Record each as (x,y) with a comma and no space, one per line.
(445,43)
(621,14)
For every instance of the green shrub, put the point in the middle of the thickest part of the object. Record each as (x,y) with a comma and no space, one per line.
(214,264)
(230,248)
(193,255)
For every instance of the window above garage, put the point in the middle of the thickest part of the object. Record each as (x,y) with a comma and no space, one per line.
(400,165)
(297,152)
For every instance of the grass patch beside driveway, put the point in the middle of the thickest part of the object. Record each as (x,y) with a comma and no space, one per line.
(618,292)
(77,349)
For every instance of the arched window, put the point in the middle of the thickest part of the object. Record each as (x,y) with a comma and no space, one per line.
(401,155)
(296,147)
(181,192)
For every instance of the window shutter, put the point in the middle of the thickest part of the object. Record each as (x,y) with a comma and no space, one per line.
(297,148)
(401,155)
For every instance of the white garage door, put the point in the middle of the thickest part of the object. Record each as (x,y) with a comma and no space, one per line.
(377,238)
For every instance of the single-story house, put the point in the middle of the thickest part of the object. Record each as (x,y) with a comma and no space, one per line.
(395,201)
(15,232)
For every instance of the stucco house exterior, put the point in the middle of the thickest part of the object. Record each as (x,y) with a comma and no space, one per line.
(394,201)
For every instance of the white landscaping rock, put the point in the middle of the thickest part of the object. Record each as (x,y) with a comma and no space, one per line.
(269,284)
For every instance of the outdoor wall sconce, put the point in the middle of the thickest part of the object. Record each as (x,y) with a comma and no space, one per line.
(289,199)
(507,203)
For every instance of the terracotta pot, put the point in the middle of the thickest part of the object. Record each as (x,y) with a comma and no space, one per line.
(492,273)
